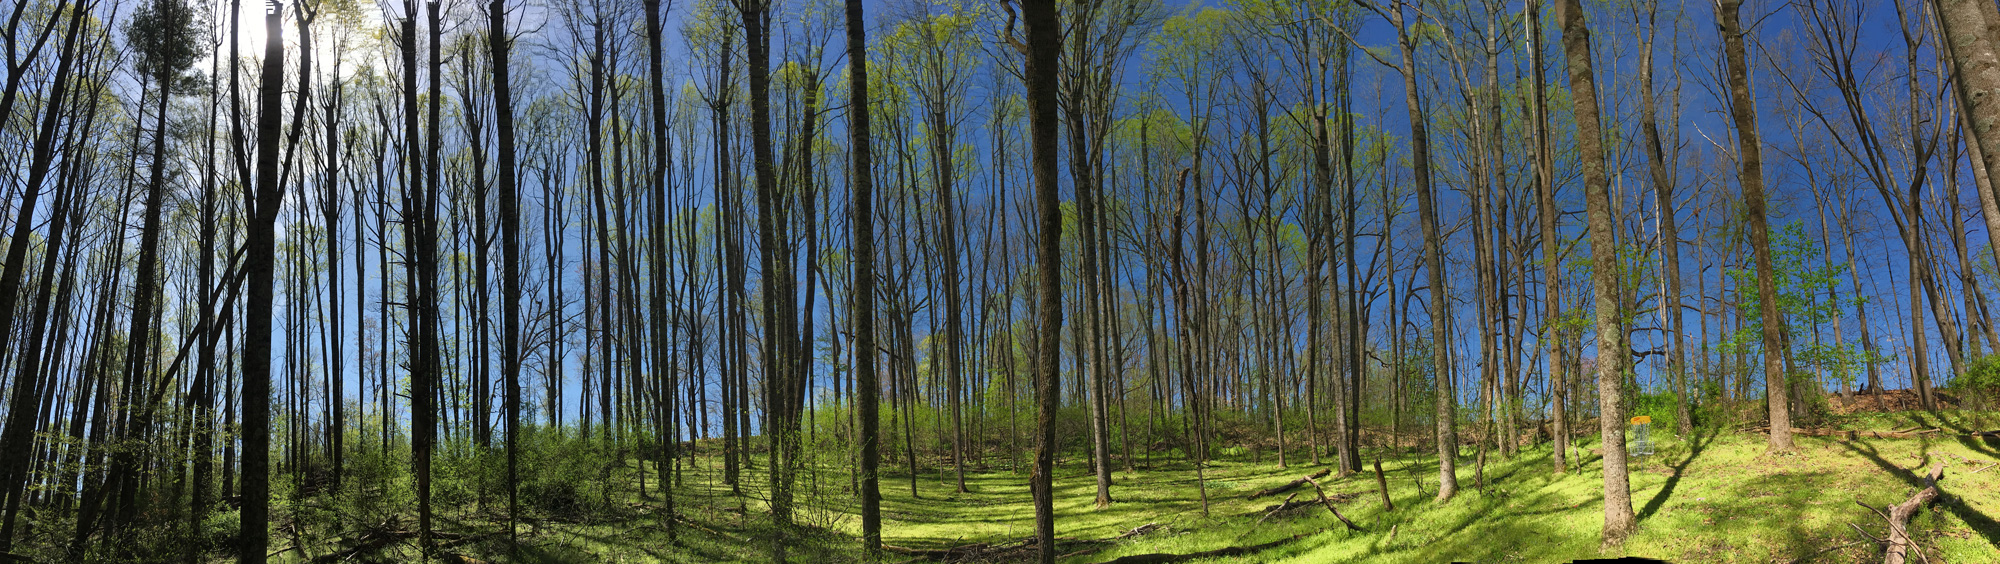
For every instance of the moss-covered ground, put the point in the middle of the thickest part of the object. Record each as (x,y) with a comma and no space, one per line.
(1708,497)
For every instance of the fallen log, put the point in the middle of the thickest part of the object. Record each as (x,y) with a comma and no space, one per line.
(937,553)
(1330,508)
(1900,514)
(1160,557)
(1289,486)
(1850,434)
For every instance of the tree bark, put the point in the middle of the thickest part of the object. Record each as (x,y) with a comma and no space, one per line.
(1545,202)
(1420,166)
(1041,45)
(1606,273)
(259,259)
(1750,173)
(1658,166)
(861,307)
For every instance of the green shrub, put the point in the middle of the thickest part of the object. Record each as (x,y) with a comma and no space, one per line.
(1980,385)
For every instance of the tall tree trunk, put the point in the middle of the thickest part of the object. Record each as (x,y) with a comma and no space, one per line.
(1605,273)
(1041,45)
(1973,51)
(510,252)
(1545,203)
(1669,228)
(259,259)
(662,352)
(781,427)
(1750,173)
(861,307)
(19,434)
(1420,166)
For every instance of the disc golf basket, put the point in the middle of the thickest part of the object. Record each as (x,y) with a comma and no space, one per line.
(1642,437)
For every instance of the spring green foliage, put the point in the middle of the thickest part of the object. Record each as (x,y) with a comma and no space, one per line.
(1711,497)
(1981,382)
(1804,280)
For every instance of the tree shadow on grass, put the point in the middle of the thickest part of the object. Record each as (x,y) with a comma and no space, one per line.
(1700,443)
(1517,536)
(1987,445)
(1985,525)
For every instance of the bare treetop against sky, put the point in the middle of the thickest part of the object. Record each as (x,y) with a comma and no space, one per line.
(620,237)
(1783,47)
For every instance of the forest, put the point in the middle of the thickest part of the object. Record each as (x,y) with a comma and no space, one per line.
(329,281)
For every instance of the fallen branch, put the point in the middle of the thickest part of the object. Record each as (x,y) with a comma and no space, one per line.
(1288,505)
(1857,528)
(1139,530)
(1959,456)
(689,522)
(1159,558)
(1269,511)
(382,535)
(1289,486)
(1899,516)
(1330,508)
(1848,434)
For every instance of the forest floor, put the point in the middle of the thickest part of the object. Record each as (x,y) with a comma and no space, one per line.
(1715,497)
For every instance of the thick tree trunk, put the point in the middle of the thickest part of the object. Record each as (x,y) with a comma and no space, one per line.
(662,351)
(1750,173)
(1041,45)
(1605,274)
(259,259)
(510,250)
(1973,50)
(781,415)
(861,307)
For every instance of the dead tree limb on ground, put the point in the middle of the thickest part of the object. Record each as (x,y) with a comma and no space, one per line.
(1330,508)
(1900,514)
(1898,540)
(1289,486)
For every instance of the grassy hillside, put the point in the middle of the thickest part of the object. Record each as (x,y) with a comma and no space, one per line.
(1714,497)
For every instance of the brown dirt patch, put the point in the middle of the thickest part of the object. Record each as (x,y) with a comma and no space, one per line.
(1884,401)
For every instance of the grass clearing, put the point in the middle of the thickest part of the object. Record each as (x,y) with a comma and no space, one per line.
(1704,498)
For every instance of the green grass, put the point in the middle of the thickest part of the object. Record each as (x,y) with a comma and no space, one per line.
(1706,498)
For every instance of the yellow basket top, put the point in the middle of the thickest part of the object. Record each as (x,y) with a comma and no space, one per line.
(1642,420)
